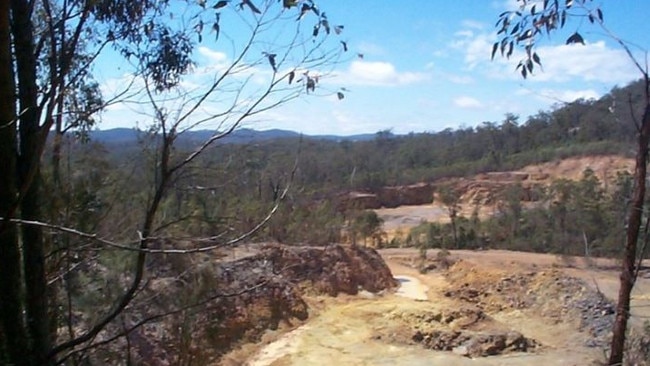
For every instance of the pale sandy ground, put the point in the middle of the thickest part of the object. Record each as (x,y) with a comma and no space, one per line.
(343,332)
(287,344)
(411,288)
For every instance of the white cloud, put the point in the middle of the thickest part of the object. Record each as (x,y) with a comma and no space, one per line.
(572,95)
(475,47)
(591,62)
(465,33)
(467,102)
(460,79)
(561,95)
(380,73)
(213,56)
(508,4)
(472,24)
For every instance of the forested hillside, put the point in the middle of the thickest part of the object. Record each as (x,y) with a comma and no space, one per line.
(604,126)
(234,186)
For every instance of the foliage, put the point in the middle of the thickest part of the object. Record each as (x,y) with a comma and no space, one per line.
(525,27)
(363,225)
(89,221)
(325,166)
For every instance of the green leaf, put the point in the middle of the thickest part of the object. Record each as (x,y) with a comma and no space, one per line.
(289,3)
(326,25)
(575,38)
(495,47)
(536,59)
(311,84)
(220,4)
(304,10)
(514,29)
(600,14)
(216,28)
(510,49)
(340,95)
(292,75)
(271,58)
(251,6)
(527,34)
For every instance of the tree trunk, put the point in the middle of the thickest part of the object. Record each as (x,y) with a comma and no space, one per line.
(36,299)
(14,344)
(629,256)
(452,218)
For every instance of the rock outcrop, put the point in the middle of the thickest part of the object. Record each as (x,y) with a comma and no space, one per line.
(250,295)
(389,197)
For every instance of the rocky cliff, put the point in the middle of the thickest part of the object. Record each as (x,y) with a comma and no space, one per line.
(250,295)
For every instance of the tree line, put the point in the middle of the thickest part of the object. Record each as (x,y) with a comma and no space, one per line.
(234,185)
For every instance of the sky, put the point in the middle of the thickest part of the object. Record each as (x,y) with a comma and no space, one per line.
(426,67)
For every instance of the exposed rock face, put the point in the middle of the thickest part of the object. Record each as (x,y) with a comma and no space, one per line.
(389,197)
(358,200)
(332,270)
(416,194)
(246,297)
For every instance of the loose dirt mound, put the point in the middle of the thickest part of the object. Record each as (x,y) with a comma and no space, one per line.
(551,293)
(466,332)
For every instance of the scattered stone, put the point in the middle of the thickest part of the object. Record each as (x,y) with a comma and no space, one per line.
(472,344)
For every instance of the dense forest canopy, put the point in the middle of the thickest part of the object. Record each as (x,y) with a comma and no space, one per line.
(601,126)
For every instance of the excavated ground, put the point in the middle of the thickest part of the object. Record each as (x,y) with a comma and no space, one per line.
(486,309)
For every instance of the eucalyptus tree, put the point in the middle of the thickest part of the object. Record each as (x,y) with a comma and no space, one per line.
(268,53)
(520,31)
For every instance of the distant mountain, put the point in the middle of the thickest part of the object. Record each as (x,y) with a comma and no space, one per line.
(115,135)
(239,136)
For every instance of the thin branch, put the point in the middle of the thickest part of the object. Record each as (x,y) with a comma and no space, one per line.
(125,247)
(149,319)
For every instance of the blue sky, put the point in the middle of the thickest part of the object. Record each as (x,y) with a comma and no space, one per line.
(426,67)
